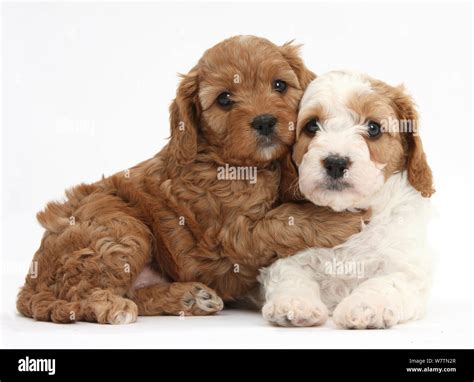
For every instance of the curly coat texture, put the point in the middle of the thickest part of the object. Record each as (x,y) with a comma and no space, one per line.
(206,237)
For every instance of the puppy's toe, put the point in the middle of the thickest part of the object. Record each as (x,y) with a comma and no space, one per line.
(208,300)
(366,312)
(202,300)
(124,314)
(123,317)
(390,317)
(295,312)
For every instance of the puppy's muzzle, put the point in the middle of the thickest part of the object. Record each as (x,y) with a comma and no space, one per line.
(264,124)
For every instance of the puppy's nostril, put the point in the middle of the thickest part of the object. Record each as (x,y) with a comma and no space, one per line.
(264,124)
(336,165)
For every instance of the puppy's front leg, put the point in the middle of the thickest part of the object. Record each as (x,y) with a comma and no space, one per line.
(382,302)
(292,295)
(287,229)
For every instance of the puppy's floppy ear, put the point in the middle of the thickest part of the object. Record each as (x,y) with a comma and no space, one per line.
(291,52)
(289,190)
(419,172)
(185,112)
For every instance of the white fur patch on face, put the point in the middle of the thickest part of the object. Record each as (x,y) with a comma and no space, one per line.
(341,136)
(268,152)
(333,89)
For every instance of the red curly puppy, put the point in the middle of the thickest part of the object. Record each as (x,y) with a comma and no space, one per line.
(174,216)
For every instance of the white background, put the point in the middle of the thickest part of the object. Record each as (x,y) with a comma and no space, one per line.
(86,90)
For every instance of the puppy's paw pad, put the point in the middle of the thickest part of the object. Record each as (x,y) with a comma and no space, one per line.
(295,312)
(203,300)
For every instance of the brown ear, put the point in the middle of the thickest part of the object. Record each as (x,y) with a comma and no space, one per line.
(289,190)
(185,113)
(419,172)
(291,52)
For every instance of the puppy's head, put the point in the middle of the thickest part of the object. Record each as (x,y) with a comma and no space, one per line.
(242,99)
(353,133)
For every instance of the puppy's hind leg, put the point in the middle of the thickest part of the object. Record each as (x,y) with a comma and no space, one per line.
(180,298)
(106,307)
(85,269)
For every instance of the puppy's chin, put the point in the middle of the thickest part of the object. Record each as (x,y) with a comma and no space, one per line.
(336,198)
(340,194)
(256,155)
(259,152)
(270,150)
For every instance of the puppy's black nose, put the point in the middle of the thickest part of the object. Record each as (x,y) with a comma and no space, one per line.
(335,166)
(264,124)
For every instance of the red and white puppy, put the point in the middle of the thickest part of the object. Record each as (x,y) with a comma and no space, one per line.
(358,147)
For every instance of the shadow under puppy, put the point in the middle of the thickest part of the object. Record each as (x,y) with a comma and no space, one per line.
(156,238)
(358,147)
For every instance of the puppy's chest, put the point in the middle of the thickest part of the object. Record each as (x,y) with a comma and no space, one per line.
(384,242)
(228,193)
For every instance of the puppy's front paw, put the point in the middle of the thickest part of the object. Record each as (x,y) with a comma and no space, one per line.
(201,300)
(289,311)
(366,312)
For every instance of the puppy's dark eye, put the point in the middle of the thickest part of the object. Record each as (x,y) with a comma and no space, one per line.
(279,85)
(224,100)
(312,126)
(374,129)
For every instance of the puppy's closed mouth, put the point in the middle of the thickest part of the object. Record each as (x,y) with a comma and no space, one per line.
(268,141)
(336,185)
(268,146)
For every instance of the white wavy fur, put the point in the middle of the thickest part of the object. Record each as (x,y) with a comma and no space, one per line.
(378,278)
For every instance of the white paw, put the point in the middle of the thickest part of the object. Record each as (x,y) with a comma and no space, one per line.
(288,311)
(366,312)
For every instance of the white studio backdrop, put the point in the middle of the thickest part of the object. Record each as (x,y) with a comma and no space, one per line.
(86,89)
